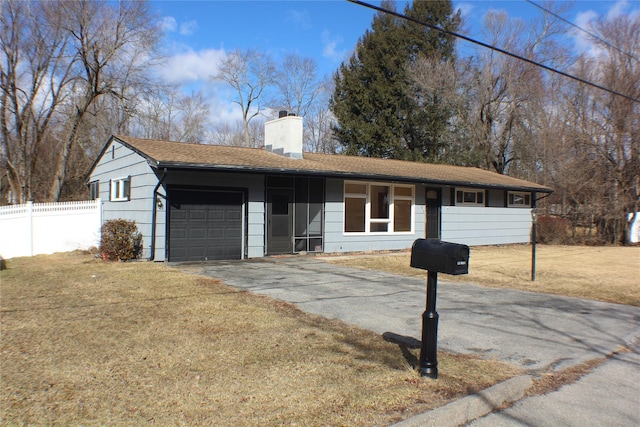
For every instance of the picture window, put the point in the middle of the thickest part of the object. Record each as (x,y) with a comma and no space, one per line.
(378,208)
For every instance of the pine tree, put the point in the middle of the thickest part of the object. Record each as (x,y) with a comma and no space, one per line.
(378,110)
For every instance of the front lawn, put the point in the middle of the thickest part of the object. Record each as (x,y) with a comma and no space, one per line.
(603,273)
(85,342)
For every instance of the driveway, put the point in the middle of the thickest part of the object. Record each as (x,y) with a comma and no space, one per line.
(537,331)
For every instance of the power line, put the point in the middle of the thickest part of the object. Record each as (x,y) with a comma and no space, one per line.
(497,49)
(582,29)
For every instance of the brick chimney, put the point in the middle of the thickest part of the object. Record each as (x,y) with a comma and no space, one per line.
(284,135)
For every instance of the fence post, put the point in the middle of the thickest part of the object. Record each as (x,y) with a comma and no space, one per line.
(98,202)
(30,226)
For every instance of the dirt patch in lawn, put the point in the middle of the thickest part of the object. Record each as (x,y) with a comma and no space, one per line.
(609,273)
(86,342)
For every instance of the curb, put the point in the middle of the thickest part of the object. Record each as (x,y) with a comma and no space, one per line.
(469,408)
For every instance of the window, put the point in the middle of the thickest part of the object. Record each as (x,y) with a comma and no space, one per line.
(120,189)
(519,199)
(378,208)
(469,197)
(94,190)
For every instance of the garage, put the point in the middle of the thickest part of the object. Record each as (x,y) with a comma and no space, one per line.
(205,225)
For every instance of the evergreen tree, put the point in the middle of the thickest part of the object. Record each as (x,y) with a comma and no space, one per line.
(379,111)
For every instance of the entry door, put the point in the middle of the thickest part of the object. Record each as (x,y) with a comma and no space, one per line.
(433,206)
(279,222)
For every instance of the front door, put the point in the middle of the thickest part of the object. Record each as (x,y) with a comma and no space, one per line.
(279,222)
(433,204)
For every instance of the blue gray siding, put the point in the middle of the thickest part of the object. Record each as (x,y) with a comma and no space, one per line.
(126,162)
(476,226)
(472,225)
(143,180)
(335,240)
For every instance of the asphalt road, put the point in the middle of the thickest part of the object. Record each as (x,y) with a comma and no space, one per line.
(536,331)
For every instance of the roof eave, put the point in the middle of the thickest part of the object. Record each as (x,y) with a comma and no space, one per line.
(341,174)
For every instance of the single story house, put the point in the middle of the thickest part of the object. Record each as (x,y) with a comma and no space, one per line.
(196,202)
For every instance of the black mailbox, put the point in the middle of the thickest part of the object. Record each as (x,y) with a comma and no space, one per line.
(442,257)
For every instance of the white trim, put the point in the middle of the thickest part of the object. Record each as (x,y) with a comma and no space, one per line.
(468,191)
(118,189)
(522,202)
(368,220)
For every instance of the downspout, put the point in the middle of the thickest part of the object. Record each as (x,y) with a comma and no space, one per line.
(154,211)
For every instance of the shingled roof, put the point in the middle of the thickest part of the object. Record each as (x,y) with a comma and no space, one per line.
(166,154)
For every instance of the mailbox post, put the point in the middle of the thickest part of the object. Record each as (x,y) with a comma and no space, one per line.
(435,256)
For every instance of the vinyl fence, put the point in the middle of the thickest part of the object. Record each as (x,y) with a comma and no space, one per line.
(45,228)
(634,237)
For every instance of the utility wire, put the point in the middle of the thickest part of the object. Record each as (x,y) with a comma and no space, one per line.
(600,39)
(497,49)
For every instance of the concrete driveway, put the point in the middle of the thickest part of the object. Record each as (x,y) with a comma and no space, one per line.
(538,332)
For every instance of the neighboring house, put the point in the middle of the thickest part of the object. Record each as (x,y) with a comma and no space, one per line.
(204,202)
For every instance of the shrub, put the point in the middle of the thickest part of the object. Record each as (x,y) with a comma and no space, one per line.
(120,240)
(552,229)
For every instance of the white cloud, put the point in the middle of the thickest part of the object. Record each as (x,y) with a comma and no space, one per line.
(585,43)
(188,28)
(191,66)
(192,71)
(618,9)
(300,19)
(330,48)
(168,24)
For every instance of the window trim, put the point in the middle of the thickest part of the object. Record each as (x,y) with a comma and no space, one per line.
(465,191)
(368,220)
(94,190)
(120,189)
(524,194)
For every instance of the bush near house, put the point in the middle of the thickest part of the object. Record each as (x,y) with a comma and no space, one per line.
(120,240)
(552,229)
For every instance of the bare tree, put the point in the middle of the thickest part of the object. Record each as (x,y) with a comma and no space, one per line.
(494,99)
(58,62)
(606,127)
(298,86)
(164,112)
(250,73)
(35,76)
(226,133)
(109,46)
(194,118)
(318,134)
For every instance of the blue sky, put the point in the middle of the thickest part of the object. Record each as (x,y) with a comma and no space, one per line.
(198,33)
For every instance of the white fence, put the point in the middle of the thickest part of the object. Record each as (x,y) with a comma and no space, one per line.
(45,228)
(634,236)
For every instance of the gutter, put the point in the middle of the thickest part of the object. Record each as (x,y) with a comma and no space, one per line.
(154,214)
(348,175)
